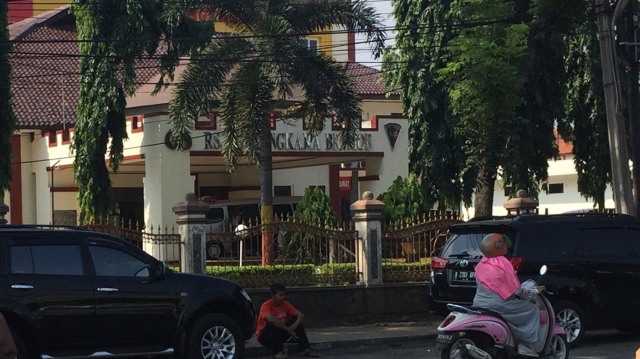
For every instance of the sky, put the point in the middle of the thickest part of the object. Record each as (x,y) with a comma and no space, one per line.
(363,52)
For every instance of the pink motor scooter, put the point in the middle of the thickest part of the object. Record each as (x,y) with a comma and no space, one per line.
(469,332)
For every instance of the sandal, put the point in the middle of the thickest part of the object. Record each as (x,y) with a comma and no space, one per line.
(280,355)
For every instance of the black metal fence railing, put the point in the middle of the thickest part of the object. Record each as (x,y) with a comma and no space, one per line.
(408,247)
(303,254)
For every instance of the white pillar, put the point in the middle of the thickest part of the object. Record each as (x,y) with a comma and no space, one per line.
(167,175)
(167,178)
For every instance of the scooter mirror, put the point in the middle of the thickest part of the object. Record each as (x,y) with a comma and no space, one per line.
(543,269)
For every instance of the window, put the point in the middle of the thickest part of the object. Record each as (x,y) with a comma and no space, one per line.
(53,139)
(279,191)
(555,188)
(207,122)
(136,124)
(215,215)
(310,44)
(66,136)
(47,259)
(109,262)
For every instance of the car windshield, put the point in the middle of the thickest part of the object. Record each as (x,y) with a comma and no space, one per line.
(463,245)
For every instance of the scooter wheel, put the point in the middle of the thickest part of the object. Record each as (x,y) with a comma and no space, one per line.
(458,349)
(559,347)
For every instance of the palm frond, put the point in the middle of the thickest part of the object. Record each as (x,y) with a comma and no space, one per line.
(356,15)
(328,93)
(231,148)
(255,89)
(201,81)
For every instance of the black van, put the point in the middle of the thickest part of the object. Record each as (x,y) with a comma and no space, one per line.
(593,261)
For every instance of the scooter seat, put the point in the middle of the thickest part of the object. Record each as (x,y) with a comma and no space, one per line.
(474,310)
(488,312)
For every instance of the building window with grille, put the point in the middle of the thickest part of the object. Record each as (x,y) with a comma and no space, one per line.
(555,188)
(310,44)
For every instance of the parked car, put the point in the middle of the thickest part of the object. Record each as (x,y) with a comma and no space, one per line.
(593,261)
(227,215)
(72,292)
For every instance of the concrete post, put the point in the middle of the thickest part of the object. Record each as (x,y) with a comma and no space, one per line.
(3,210)
(191,224)
(367,218)
(521,204)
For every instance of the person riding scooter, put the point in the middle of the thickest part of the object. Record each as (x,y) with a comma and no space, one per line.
(500,290)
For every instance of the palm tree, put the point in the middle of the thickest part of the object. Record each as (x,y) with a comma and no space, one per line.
(7,117)
(240,72)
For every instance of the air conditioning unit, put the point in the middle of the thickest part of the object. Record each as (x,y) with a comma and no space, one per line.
(346,165)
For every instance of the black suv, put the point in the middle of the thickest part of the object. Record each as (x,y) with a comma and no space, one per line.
(77,293)
(593,261)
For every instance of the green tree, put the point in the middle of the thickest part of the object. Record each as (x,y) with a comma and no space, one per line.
(435,153)
(585,123)
(240,73)
(7,117)
(405,200)
(483,86)
(483,89)
(113,35)
(315,209)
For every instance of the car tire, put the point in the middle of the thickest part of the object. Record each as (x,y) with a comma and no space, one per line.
(216,336)
(214,250)
(571,317)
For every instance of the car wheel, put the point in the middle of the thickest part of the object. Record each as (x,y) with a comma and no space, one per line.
(216,336)
(214,250)
(571,317)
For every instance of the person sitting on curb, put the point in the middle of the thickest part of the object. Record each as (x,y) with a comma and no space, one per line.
(7,345)
(279,322)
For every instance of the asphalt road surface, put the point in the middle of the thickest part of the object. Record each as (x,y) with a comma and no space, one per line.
(609,344)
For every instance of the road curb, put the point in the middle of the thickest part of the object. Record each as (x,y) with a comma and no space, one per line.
(259,351)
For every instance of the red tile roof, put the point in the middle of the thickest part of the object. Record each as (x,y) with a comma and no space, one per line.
(367,81)
(45,62)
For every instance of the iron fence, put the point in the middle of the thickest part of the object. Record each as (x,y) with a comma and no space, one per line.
(303,254)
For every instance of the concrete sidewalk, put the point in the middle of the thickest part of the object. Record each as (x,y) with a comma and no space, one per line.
(340,336)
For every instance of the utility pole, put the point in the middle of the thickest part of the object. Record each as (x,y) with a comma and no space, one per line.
(620,173)
(631,57)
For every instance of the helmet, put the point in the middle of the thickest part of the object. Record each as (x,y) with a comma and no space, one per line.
(494,245)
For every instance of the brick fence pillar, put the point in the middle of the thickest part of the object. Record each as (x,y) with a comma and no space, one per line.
(367,217)
(191,224)
(3,210)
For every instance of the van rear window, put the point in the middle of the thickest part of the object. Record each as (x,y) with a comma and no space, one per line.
(215,215)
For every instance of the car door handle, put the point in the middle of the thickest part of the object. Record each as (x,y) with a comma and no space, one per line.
(107,289)
(21,286)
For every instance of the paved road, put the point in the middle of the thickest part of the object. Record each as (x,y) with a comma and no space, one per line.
(601,345)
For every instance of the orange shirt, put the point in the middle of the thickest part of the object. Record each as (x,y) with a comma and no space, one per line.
(281,312)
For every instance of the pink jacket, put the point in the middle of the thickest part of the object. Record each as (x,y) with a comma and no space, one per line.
(497,275)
